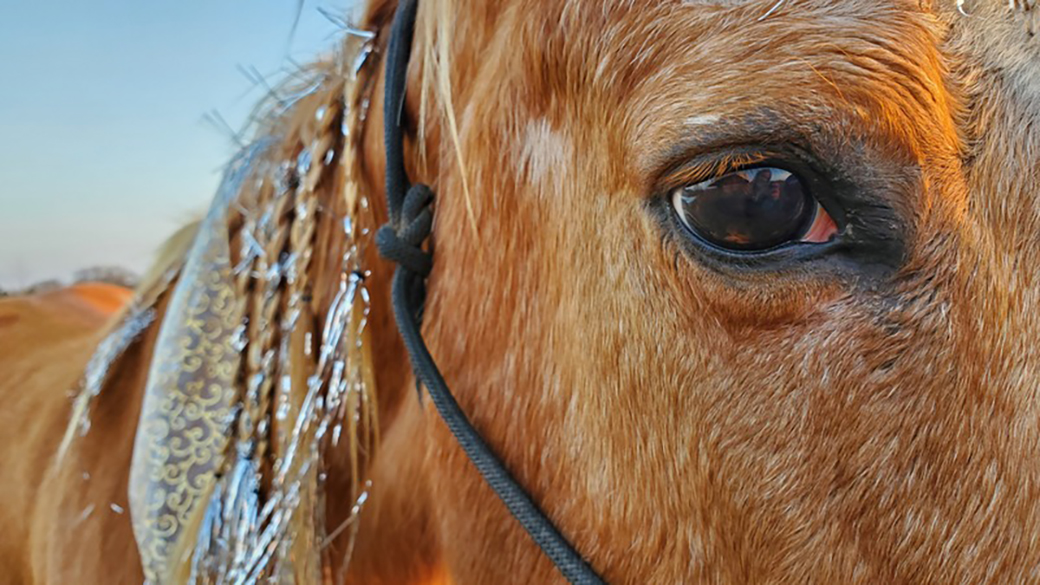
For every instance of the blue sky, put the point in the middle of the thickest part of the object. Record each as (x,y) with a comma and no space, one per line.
(104,150)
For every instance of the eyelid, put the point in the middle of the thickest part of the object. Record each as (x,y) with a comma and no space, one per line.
(708,167)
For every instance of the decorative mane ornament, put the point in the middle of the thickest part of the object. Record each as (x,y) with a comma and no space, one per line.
(261,364)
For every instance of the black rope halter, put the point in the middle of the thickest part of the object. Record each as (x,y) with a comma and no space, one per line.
(401,240)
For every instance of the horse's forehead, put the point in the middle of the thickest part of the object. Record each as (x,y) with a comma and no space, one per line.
(654,65)
(649,36)
(746,12)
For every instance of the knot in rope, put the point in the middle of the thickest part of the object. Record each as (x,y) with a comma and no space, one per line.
(400,240)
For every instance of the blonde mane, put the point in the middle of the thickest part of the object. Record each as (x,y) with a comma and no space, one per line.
(437,21)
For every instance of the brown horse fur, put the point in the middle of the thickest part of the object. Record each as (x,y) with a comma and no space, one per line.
(680,421)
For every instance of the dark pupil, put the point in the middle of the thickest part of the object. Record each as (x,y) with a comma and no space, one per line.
(754,209)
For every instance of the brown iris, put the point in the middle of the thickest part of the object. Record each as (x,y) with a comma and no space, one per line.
(753,210)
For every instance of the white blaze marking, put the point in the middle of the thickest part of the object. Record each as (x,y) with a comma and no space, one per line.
(543,154)
(705,120)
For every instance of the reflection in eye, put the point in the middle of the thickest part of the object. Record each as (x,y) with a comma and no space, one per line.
(753,210)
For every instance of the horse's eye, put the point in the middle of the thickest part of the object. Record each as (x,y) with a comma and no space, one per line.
(753,210)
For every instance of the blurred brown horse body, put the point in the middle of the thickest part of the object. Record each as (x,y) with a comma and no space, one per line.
(45,340)
(870,420)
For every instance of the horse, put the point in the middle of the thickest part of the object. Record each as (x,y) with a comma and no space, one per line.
(841,388)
